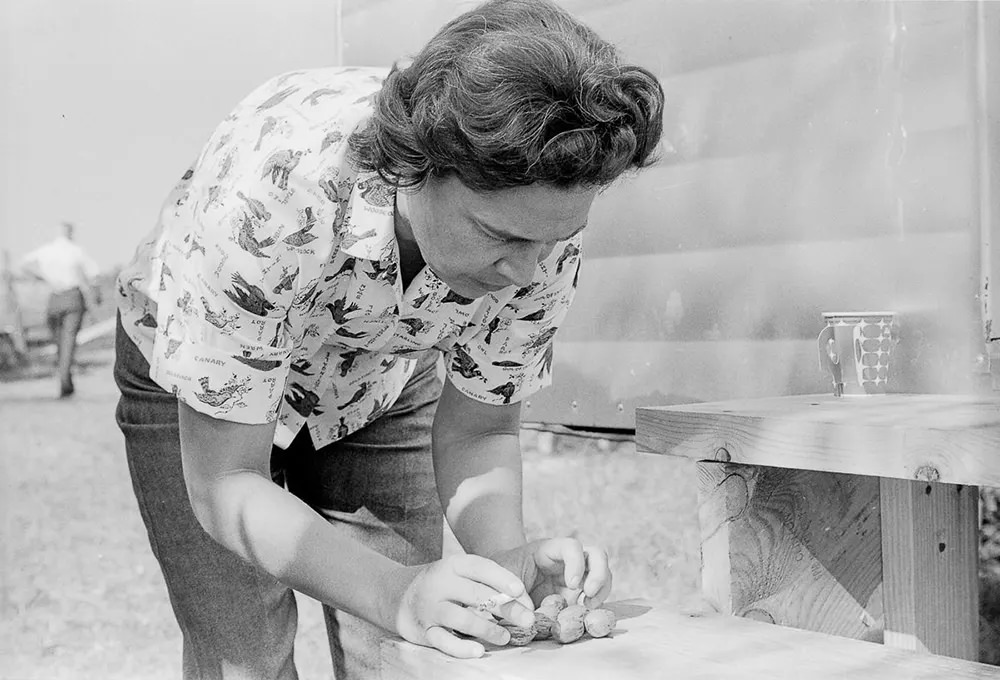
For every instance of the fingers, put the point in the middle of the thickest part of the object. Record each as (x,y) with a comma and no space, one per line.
(435,610)
(525,601)
(441,639)
(488,573)
(585,570)
(473,622)
(520,612)
(597,584)
(564,555)
(467,621)
(487,602)
(476,590)
(490,587)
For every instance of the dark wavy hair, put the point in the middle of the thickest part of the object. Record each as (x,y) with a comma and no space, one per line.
(512,93)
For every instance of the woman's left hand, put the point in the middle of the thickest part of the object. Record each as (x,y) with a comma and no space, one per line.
(563,566)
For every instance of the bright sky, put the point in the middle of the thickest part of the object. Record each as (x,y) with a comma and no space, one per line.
(104,102)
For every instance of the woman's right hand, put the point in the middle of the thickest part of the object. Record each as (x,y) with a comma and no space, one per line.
(435,605)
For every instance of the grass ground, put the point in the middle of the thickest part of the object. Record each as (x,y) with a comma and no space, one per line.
(81,597)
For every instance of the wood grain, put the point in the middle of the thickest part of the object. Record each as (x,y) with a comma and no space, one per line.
(793,547)
(651,643)
(942,438)
(930,538)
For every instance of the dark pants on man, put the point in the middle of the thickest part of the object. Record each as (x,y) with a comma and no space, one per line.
(64,315)
(376,486)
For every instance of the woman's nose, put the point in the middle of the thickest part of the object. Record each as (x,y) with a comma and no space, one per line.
(546,250)
(519,267)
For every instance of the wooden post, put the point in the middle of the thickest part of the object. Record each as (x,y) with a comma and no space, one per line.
(930,536)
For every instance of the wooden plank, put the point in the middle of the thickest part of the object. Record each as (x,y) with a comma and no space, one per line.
(942,438)
(792,547)
(930,539)
(651,642)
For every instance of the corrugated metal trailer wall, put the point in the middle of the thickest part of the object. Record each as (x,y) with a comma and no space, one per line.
(821,156)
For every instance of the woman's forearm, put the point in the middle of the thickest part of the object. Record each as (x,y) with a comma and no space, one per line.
(477,463)
(479,480)
(226,467)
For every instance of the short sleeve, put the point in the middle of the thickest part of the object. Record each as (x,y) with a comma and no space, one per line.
(510,357)
(244,234)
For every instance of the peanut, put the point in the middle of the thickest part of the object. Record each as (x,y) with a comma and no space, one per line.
(545,615)
(519,635)
(543,623)
(549,612)
(568,625)
(599,622)
(554,601)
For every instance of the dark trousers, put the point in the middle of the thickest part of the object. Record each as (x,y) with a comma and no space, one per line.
(377,486)
(64,316)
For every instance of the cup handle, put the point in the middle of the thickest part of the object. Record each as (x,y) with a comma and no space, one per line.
(829,360)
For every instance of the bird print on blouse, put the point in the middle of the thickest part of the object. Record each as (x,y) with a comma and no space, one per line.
(275,260)
(223,398)
(220,319)
(255,208)
(303,236)
(248,296)
(279,166)
(164,273)
(246,238)
(286,281)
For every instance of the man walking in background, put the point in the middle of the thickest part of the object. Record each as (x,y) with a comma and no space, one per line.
(71,276)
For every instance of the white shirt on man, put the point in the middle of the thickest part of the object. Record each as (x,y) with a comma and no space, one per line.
(62,265)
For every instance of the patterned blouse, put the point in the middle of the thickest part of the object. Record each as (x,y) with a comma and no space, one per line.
(270,287)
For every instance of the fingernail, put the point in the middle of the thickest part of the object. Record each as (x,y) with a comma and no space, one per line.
(515,588)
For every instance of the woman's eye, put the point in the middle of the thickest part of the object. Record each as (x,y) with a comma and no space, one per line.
(493,237)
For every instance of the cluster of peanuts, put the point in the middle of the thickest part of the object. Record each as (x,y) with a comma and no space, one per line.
(562,622)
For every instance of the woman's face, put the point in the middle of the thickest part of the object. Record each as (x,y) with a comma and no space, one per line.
(478,243)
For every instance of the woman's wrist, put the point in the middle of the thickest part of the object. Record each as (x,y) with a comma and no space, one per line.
(390,595)
(490,526)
